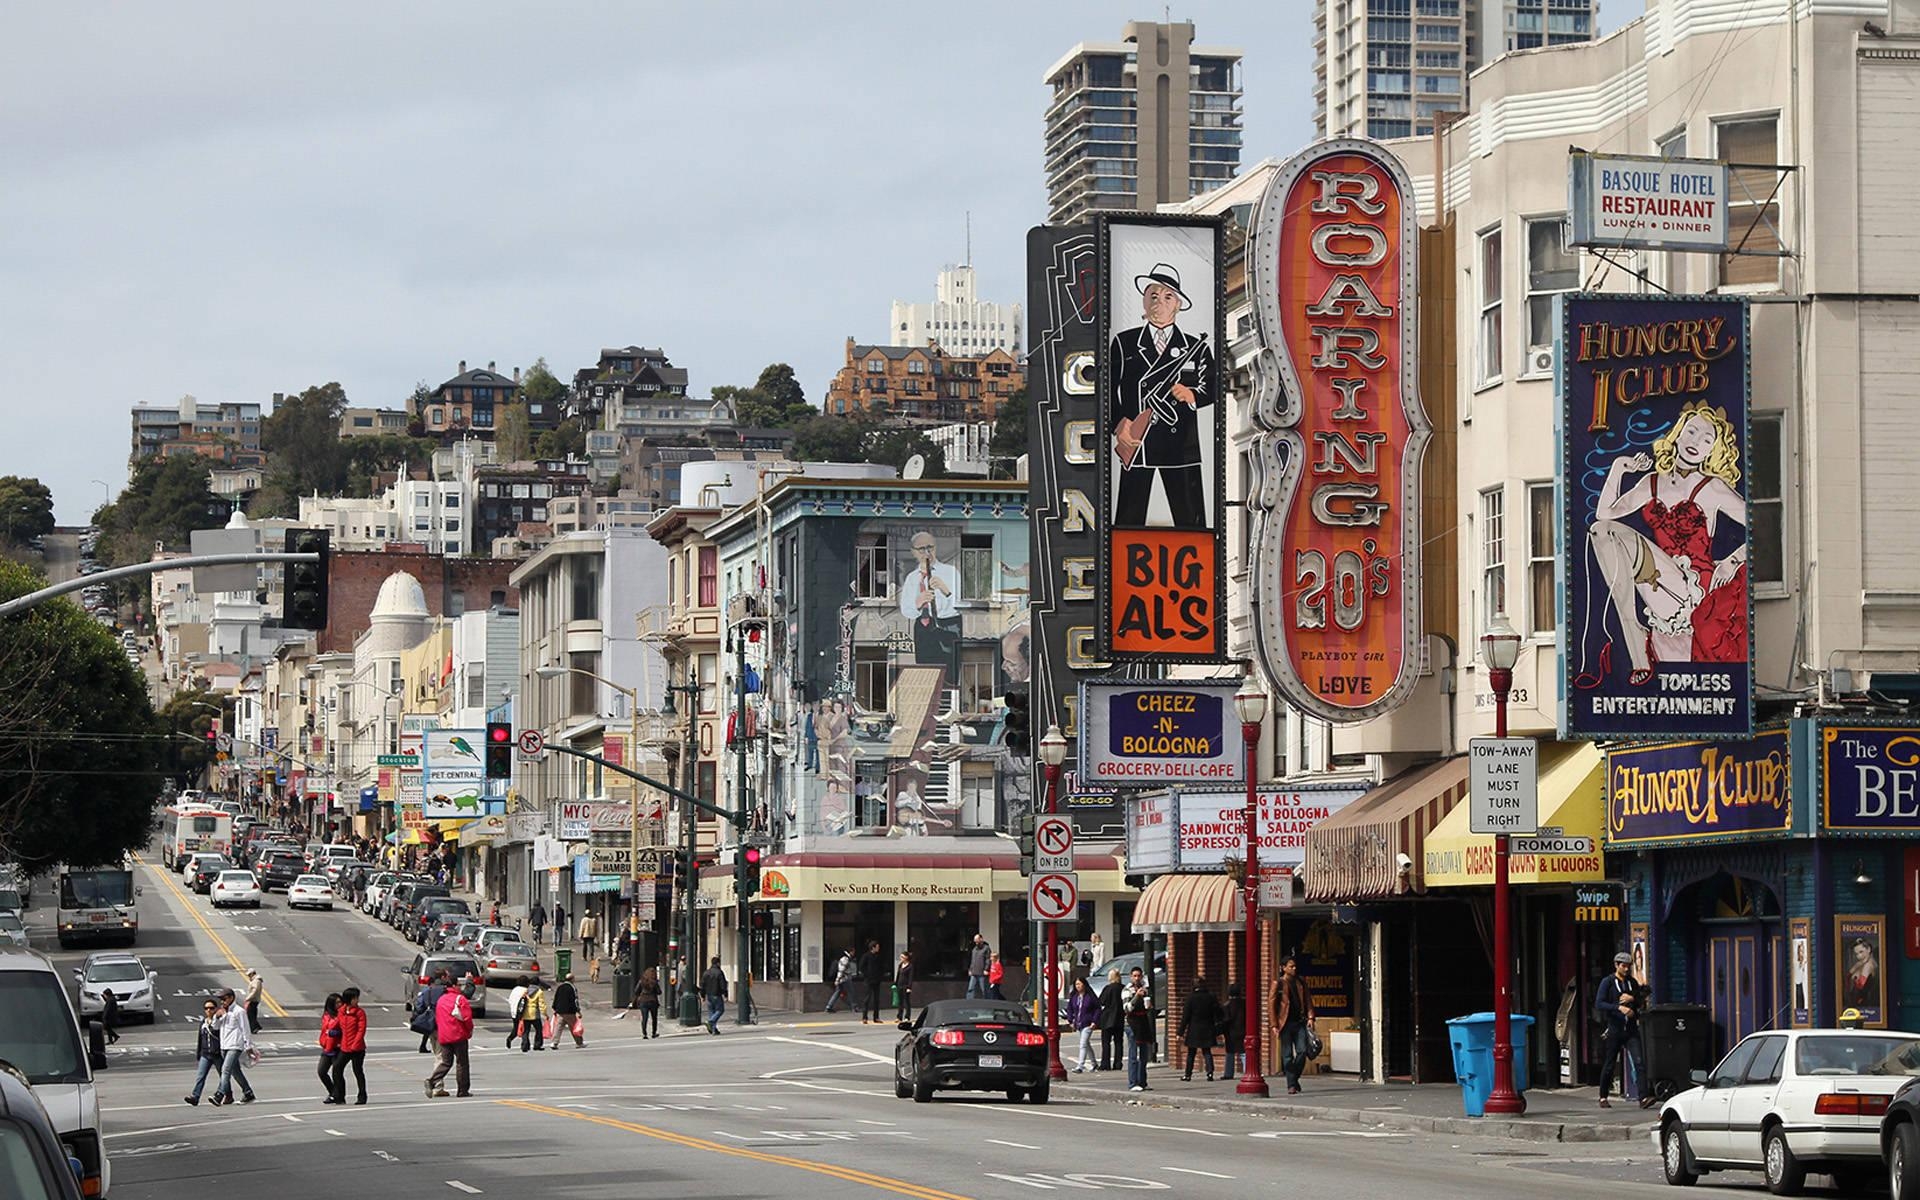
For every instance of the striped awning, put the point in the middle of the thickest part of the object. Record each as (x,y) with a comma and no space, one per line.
(1356,854)
(1189,904)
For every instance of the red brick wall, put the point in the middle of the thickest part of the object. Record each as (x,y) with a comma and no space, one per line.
(354,578)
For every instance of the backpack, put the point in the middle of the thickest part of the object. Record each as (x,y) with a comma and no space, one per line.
(424,1019)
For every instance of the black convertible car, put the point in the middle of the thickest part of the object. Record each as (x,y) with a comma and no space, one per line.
(971,1045)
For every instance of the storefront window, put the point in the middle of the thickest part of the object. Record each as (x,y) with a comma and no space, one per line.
(939,936)
(1124,939)
(851,924)
(793,963)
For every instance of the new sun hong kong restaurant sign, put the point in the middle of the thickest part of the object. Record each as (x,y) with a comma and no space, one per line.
(1335,470)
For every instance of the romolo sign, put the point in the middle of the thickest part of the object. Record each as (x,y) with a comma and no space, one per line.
(1335,470)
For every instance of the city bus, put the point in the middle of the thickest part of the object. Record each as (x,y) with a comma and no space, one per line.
(186,829)
(98,905)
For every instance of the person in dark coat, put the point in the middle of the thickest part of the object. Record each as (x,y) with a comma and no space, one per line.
(538,917)
(1233,1029)
(713,985)
(110,1015)
(1199,1025)
(1112,1022)
(207,1050)
(873,973)
(566,1012)
(1616,1005)
(903,987)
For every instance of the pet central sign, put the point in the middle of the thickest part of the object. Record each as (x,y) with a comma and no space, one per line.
(1335,469)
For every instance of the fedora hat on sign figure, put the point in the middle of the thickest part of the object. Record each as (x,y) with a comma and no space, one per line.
(1164,275)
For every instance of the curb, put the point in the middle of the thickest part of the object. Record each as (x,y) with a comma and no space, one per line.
(1519,1129)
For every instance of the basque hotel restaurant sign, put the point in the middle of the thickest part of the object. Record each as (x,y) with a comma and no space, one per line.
(1870,779)
(1162,440)
(1653,534)
(1334,487)
(1628,200)
(1140,734)
(1699,791)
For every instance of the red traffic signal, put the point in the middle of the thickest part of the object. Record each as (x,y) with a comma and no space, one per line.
(499,752)
(753,856)
(499,732)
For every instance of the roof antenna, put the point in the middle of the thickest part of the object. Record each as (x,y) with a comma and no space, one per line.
(969,237)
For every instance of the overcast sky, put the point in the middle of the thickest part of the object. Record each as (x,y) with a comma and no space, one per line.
(234,199)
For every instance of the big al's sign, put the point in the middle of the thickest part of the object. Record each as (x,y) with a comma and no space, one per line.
(1335,478)
(1653,535)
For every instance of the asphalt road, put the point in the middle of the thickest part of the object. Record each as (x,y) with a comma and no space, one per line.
(61,555)
(804,1106)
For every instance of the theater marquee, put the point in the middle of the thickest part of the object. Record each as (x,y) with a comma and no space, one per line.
(1335,469)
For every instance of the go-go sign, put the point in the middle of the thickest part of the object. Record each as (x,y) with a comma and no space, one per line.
(1502,780)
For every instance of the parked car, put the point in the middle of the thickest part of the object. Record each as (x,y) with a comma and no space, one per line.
(506,962)
(278,869)
(492,936)
(463,937)
(204,869)
(235,888)
(971,1045)
(389,903)
(123,972)
(1125,963)
(377,885)
(1788,1102)
(13,931)
(42,1038)
(406,903)
(31,1156)
(310,891)
(428,909)
(440,929)
(461,966)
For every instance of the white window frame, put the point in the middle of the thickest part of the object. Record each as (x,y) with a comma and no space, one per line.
(1673,267)
(1493,550)
(1526,229)
(1542,624)
(1769,589)
(1488,312)
(1738,204)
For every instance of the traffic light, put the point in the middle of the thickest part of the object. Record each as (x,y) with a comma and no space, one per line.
(746,873)
(1019,727)
(499,750)
(1025,831)
(305,605)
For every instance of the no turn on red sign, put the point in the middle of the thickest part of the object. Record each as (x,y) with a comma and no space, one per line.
(1052,845)
(1053,896)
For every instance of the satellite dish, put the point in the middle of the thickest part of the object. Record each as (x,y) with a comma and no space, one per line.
(915,468)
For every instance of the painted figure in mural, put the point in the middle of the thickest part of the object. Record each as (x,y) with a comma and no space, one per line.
(930,598)
(1160,376)
(1653,544)
(1016,660)
(912,815)
(1861,989)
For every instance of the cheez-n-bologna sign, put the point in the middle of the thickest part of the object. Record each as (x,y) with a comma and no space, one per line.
(1335,480)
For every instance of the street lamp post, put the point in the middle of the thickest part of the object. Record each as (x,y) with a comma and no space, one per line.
(1500,645)
(1251,703)
(1053,752)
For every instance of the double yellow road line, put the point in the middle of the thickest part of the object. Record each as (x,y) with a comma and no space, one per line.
(186,902)
(846,1174)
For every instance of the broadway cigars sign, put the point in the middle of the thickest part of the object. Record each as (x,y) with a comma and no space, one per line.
(1699,791)
(1653,534)
(1141,734)
(1335,483)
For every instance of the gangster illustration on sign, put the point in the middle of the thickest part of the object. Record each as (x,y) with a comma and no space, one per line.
(1162,438)
(1655,530)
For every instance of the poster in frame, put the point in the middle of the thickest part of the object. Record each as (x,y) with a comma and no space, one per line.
(1859,964)
(1800,971)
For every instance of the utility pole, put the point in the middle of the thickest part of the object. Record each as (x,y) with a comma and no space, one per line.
(742,971)
(686,998)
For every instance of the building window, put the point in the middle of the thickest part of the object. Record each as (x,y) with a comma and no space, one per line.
(872,667)
(1541,527)
(1753,205)
(1487,369)
(976,566)
(936,933)
(1551,269)
(1766,513)
(709,576)
(582,687)
(870,793)
(1493,550)
(876,366)
(709,683)
(978,666)
(1674,145)
(586,590)
(977,793)
(422,500)
(870,578)
(707,785)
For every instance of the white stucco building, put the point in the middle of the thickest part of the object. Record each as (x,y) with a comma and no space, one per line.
(957,321)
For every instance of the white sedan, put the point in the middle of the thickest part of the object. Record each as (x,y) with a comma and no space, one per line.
(310,891)
(1786,1103)
(235,887)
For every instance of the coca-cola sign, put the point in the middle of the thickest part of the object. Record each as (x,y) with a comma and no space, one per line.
(1335,478)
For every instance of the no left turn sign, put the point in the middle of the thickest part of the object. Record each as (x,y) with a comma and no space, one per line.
(532,744)
(1054,896)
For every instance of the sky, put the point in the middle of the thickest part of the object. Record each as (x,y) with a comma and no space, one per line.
(237,199)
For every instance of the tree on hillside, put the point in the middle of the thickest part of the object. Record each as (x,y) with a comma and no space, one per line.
(540,389)
(775,401)
(369,457)
(568,439)
(830,439)
(511,435)
(165,501)
(80,755)
(302,440)
(1009,440)
(26,509)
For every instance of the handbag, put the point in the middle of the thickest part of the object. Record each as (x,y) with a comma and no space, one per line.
(1314,1046)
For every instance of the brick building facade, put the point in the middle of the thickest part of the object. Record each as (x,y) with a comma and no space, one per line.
(452,586)
(921,384)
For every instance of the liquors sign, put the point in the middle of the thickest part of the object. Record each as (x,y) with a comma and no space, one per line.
(1335,469)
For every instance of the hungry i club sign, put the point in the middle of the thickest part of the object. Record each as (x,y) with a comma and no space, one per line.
(1335,470)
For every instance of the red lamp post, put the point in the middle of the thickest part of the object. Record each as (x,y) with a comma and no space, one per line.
(1500,646)
(1252,705)
(1053,752)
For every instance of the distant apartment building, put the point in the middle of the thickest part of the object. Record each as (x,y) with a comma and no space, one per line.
(1387,68)
(508,495)
(957,321)
(466,405)
(373,422)
(434,513)
(628,375)
(652,466)
(964,447)
(1149,120)
(586,512)
(225,433)
(923,384)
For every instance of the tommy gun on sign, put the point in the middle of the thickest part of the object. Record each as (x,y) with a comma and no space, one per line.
(1157,405)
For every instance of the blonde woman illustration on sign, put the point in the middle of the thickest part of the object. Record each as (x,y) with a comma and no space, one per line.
(1653,544)
(1160,377)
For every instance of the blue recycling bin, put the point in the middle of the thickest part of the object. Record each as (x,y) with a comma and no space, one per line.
(1472,1040)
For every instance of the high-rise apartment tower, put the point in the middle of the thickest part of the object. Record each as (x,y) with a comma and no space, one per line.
(1148,120)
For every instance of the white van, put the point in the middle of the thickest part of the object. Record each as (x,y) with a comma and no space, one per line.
(41,1037)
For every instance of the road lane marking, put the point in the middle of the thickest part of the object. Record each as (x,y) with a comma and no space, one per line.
(1015,1145)
(469,1189)
(266,998)
(848,1174)
(290,1117)
(1346,1133)
(866,1054)
(1191,1171)
(335,1133)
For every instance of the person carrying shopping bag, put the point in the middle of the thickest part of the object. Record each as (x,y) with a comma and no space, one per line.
(566,1012)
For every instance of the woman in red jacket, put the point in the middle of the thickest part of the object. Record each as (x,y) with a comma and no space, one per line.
(329,1041)
(353,1048)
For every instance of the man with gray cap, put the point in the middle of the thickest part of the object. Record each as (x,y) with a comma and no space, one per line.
(1616,1005)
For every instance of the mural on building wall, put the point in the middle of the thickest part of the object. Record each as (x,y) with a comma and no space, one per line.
(905,739)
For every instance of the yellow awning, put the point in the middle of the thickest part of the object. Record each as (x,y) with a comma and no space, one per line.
(1571,800)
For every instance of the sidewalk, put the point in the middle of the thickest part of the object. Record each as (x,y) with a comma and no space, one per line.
(1552,1115)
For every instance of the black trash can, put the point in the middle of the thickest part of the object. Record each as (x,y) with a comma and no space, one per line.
(1676,1039)
(622,988)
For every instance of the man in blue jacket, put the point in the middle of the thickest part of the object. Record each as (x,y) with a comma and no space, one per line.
(1616,1005)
